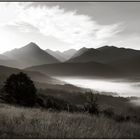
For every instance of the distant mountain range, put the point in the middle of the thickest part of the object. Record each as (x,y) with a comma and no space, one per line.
(103,61)
(107,61)
(33,55)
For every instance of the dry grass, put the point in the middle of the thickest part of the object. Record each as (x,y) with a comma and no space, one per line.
(17,122)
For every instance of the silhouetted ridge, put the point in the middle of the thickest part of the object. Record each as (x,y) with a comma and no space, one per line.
(86,56)
(107,48)
(105,54)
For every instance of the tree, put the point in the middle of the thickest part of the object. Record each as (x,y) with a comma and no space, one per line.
(20,89)
(91,106)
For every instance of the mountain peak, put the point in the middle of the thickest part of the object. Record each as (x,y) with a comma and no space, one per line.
(83,48)
(32,44)
(33,47)
(30,55)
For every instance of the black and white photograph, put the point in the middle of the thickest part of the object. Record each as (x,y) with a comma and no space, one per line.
(70,70)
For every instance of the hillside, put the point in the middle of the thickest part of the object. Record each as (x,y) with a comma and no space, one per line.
(44,123)
(34,75)
(77,69)
(10,62)
(129,65)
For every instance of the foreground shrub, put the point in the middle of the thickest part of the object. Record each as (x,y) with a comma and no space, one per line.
(19,89)
(91,105)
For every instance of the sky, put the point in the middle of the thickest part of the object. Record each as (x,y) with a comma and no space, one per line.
(65,25)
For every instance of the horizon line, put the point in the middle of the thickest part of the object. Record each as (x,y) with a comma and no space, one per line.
(70,48)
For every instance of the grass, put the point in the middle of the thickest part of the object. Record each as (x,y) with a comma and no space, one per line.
(19,122)
(119,105)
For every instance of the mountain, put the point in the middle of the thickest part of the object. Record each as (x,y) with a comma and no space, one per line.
(106,54)
(56,54)
(69,53)
(77,69)
(85,56)
(79,52)
(106,60)
(30,55)
(117,54)
(126,60)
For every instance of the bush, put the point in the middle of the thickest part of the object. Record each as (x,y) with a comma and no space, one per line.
(53,103)
(20,89)
(91,105)
(119,118)
(108,112)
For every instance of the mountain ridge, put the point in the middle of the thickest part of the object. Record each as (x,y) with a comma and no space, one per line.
(105,54)
(30,55)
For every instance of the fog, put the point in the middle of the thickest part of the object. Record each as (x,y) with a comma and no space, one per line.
(125,89)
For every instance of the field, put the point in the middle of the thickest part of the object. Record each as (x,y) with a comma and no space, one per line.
(19,122)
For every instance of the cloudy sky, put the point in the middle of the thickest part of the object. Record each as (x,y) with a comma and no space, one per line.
(65,25)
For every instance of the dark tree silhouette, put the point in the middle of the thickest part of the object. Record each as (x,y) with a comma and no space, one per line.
(20,89)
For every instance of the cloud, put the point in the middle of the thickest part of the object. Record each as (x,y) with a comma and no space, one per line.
(67,26)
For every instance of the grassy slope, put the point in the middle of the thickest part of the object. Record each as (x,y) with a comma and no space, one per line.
(19,122)
(35,123)
(119,105)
